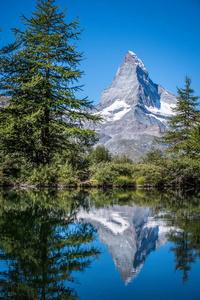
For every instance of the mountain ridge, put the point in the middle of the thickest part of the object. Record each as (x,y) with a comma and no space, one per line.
(134,108)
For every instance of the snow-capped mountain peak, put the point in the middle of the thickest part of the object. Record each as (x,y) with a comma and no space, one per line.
(132,57)
(134,108)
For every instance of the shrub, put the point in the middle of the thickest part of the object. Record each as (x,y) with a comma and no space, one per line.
(3,179)
(141,181)
(124,159)
(123,181)
(154,156)
(44,175)
(153,174)
(103,174)
(53,175)
(66,175)
(107,173)
(100,154)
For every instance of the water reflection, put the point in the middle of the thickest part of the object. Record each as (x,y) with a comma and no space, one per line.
(47,236)
(130,234)
(186,239)
(147,221)
(41,246)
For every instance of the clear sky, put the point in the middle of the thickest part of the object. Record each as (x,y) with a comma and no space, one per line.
(165,35)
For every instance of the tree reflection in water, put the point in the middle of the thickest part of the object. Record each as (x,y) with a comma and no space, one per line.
(44,245)
(180,212)
(40,245)
(185,235)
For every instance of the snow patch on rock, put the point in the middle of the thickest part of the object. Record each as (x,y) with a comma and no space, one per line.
(115,111)
(164,110)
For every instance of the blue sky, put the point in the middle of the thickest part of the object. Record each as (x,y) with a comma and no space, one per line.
(164,34)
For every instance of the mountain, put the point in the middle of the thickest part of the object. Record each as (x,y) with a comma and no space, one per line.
(134,110)
(130,234)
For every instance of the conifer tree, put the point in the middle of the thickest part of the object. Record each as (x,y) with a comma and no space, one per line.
(39,72)
(185,118)
(194,142)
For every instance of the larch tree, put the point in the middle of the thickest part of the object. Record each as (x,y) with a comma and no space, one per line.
(180,125)
(194,142)
(39,73)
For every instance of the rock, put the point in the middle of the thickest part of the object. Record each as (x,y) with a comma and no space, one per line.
(3,101)
(134,110)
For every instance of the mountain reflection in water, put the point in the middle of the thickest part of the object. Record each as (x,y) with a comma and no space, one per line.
(47,238)
(130,234)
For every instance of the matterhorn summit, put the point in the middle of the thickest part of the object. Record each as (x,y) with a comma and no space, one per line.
(134,109)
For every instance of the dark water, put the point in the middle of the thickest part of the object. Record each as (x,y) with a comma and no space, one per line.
(99,245)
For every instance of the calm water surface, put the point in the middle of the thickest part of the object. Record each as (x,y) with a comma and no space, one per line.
(99,245)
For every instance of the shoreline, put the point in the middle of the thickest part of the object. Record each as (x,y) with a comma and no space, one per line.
(88,185)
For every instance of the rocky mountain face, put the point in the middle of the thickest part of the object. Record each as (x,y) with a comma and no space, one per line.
(134,110)
(130,234)
(3,101)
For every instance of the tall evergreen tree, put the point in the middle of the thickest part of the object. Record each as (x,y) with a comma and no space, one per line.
(186,116)
(39,72)
(194,142)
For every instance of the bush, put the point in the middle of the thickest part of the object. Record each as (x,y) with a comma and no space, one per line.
(67,176)
(44,175)
(53,175)
(154,157)
(103,173)
(141,181)
(124,159)
(107,173)
(100,154)
(3,179)
(123,181)
(185,171)
(153,174)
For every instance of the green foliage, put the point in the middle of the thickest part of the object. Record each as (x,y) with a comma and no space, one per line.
(52,175)
(111,173)
(74,156)
(99,154)
(103,173)
(194,142)
(153,174)
(67,176)
(123,159)
(124,181)
(3,179)
(153,156)
(180,171)
(44,175)
(141,181)
(186,116)
(43,139)
(185,171)
(38,74)
(14,167)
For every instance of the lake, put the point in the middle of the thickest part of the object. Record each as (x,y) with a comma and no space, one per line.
(114,244)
